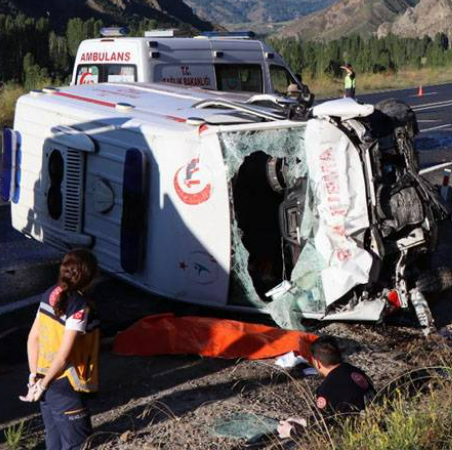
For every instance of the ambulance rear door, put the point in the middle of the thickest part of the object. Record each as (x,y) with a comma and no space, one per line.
(113,60)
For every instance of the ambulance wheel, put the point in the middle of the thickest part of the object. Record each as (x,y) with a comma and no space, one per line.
(435,281)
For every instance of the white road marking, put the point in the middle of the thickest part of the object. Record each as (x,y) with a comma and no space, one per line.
(439,127)
(432,106)
(433,168)
(429,120)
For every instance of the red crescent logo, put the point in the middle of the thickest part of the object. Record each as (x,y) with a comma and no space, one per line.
(194,188)
(84,76)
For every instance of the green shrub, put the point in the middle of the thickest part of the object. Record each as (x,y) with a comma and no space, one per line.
(422,421)
(14,435)
(8,97)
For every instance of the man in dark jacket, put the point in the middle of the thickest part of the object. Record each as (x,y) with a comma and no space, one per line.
(345,389)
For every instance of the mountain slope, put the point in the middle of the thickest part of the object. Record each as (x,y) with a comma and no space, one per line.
(429,17)
(247,11)
(347,17)
(119,12)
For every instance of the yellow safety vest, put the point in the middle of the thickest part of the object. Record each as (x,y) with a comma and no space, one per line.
(82,368)
(350,81)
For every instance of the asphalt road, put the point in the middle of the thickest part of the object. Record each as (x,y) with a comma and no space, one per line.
(434,113)
(433,109)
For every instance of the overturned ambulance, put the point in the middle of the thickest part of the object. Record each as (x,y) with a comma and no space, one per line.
(231,202)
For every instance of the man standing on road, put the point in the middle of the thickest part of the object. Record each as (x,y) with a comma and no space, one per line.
(345,389)
(349,81)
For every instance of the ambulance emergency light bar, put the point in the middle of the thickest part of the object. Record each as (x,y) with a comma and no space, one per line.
(163,33)
(114,31)
(229,34)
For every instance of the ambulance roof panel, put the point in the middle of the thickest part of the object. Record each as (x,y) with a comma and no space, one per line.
(181,43)
(148,103)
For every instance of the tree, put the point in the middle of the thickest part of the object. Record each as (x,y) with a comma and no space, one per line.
(75,33)
(34,76)
(59,54)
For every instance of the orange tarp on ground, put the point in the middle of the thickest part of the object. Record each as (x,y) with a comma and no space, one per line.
(165,334)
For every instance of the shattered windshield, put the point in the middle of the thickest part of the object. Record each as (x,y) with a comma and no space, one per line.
(273,224)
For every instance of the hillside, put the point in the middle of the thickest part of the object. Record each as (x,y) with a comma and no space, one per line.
(119,12)
(429,17)
(255,11)
(346,17)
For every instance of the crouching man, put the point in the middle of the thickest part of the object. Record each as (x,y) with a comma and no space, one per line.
(345,389)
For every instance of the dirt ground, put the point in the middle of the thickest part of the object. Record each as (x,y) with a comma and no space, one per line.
(173,402)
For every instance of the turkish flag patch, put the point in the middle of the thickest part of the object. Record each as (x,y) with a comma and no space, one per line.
(79,315)
(321,402)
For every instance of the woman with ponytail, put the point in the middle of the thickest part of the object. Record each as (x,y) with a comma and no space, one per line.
(63,347)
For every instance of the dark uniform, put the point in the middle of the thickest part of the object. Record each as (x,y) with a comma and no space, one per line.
(345,390)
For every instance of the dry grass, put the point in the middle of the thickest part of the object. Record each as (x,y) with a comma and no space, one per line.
(421,420)
(423,423)
(367,83)
(414,417)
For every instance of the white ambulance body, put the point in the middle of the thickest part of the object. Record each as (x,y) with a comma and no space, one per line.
(195,196)
(218,63)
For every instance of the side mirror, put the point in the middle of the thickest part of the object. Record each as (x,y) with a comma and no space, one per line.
(298,77)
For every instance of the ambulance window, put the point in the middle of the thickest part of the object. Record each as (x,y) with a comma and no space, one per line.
(101,73)
(119,73)
(281,78)
(88,74)
(239,77)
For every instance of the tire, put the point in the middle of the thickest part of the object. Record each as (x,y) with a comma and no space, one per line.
(435,281)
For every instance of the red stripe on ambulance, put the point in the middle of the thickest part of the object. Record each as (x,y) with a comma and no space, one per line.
(112,105)
(86,99)
(176,119)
